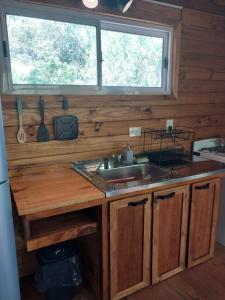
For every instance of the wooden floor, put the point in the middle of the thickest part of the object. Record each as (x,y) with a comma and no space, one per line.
(206,281)
(29,292)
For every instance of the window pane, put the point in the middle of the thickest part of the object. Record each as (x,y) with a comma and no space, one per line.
(50,52)
(131,60)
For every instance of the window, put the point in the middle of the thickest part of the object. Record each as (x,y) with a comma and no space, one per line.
(84,54)
(134,60)
(134,57)
(50,52)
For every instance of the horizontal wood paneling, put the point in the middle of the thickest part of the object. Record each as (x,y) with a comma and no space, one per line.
(196,33)
(104,121)
(193,73)
(200,60)
(212,6)
(202,47)
(31,116)
(204,20)
(140,10)
(110,129)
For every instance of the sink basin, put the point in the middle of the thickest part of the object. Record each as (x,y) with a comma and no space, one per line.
(132,173)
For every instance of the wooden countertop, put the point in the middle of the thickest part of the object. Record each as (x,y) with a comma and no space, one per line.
(63,190)
(53,193)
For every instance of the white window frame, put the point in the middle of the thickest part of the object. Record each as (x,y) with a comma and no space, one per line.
(93,19)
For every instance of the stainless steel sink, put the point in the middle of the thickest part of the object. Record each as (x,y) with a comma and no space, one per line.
(121,179)
(132,173)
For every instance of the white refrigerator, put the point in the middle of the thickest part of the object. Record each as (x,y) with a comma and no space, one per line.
(221,223)
(9,280)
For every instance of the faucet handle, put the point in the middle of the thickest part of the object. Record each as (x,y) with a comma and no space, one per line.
(106,163)
(116,160)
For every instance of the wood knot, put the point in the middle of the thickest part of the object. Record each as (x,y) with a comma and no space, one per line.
(148,110)
(31,130)
(98,126)
(92,111)
(182,75)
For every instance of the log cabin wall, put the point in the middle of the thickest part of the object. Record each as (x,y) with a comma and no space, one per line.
(105,120)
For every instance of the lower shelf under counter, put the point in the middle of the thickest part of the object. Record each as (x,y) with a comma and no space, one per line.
(45,232)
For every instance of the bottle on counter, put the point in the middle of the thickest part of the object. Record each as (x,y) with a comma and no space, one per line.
(128,155)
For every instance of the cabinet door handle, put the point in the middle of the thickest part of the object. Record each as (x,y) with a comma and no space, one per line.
(167,196)
(138,203)
(202,187)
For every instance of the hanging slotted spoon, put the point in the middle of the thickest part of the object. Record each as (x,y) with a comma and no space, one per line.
(21,135)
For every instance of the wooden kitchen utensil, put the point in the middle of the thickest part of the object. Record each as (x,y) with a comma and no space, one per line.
(21,135)
(43,133)
(66,127)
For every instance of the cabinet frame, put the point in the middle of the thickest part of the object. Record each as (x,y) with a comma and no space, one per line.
(169,193)
(114,206)
(214,185)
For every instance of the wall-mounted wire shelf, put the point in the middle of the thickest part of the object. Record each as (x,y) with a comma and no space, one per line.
(168,143)
(176,133)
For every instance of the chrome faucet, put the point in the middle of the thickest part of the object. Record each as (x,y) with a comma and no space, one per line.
(104,163)
(116,160)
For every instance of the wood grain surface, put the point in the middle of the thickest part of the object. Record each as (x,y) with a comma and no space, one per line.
(206,281)
(104,121)
(59,190)
(53,230)
(129,246)
(170,219)
(203,221)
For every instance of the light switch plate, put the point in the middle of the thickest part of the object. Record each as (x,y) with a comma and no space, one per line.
(134,131)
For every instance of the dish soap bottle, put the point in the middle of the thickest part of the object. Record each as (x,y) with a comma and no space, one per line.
(128,155)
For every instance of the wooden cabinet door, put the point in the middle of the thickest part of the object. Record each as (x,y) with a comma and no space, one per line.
(170,223)
(203,221)
(129,245)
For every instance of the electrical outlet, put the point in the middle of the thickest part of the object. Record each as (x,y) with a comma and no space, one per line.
(134,131)
(169,124)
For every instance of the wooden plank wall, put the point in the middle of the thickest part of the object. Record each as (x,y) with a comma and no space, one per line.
(105,120)
(211,6)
